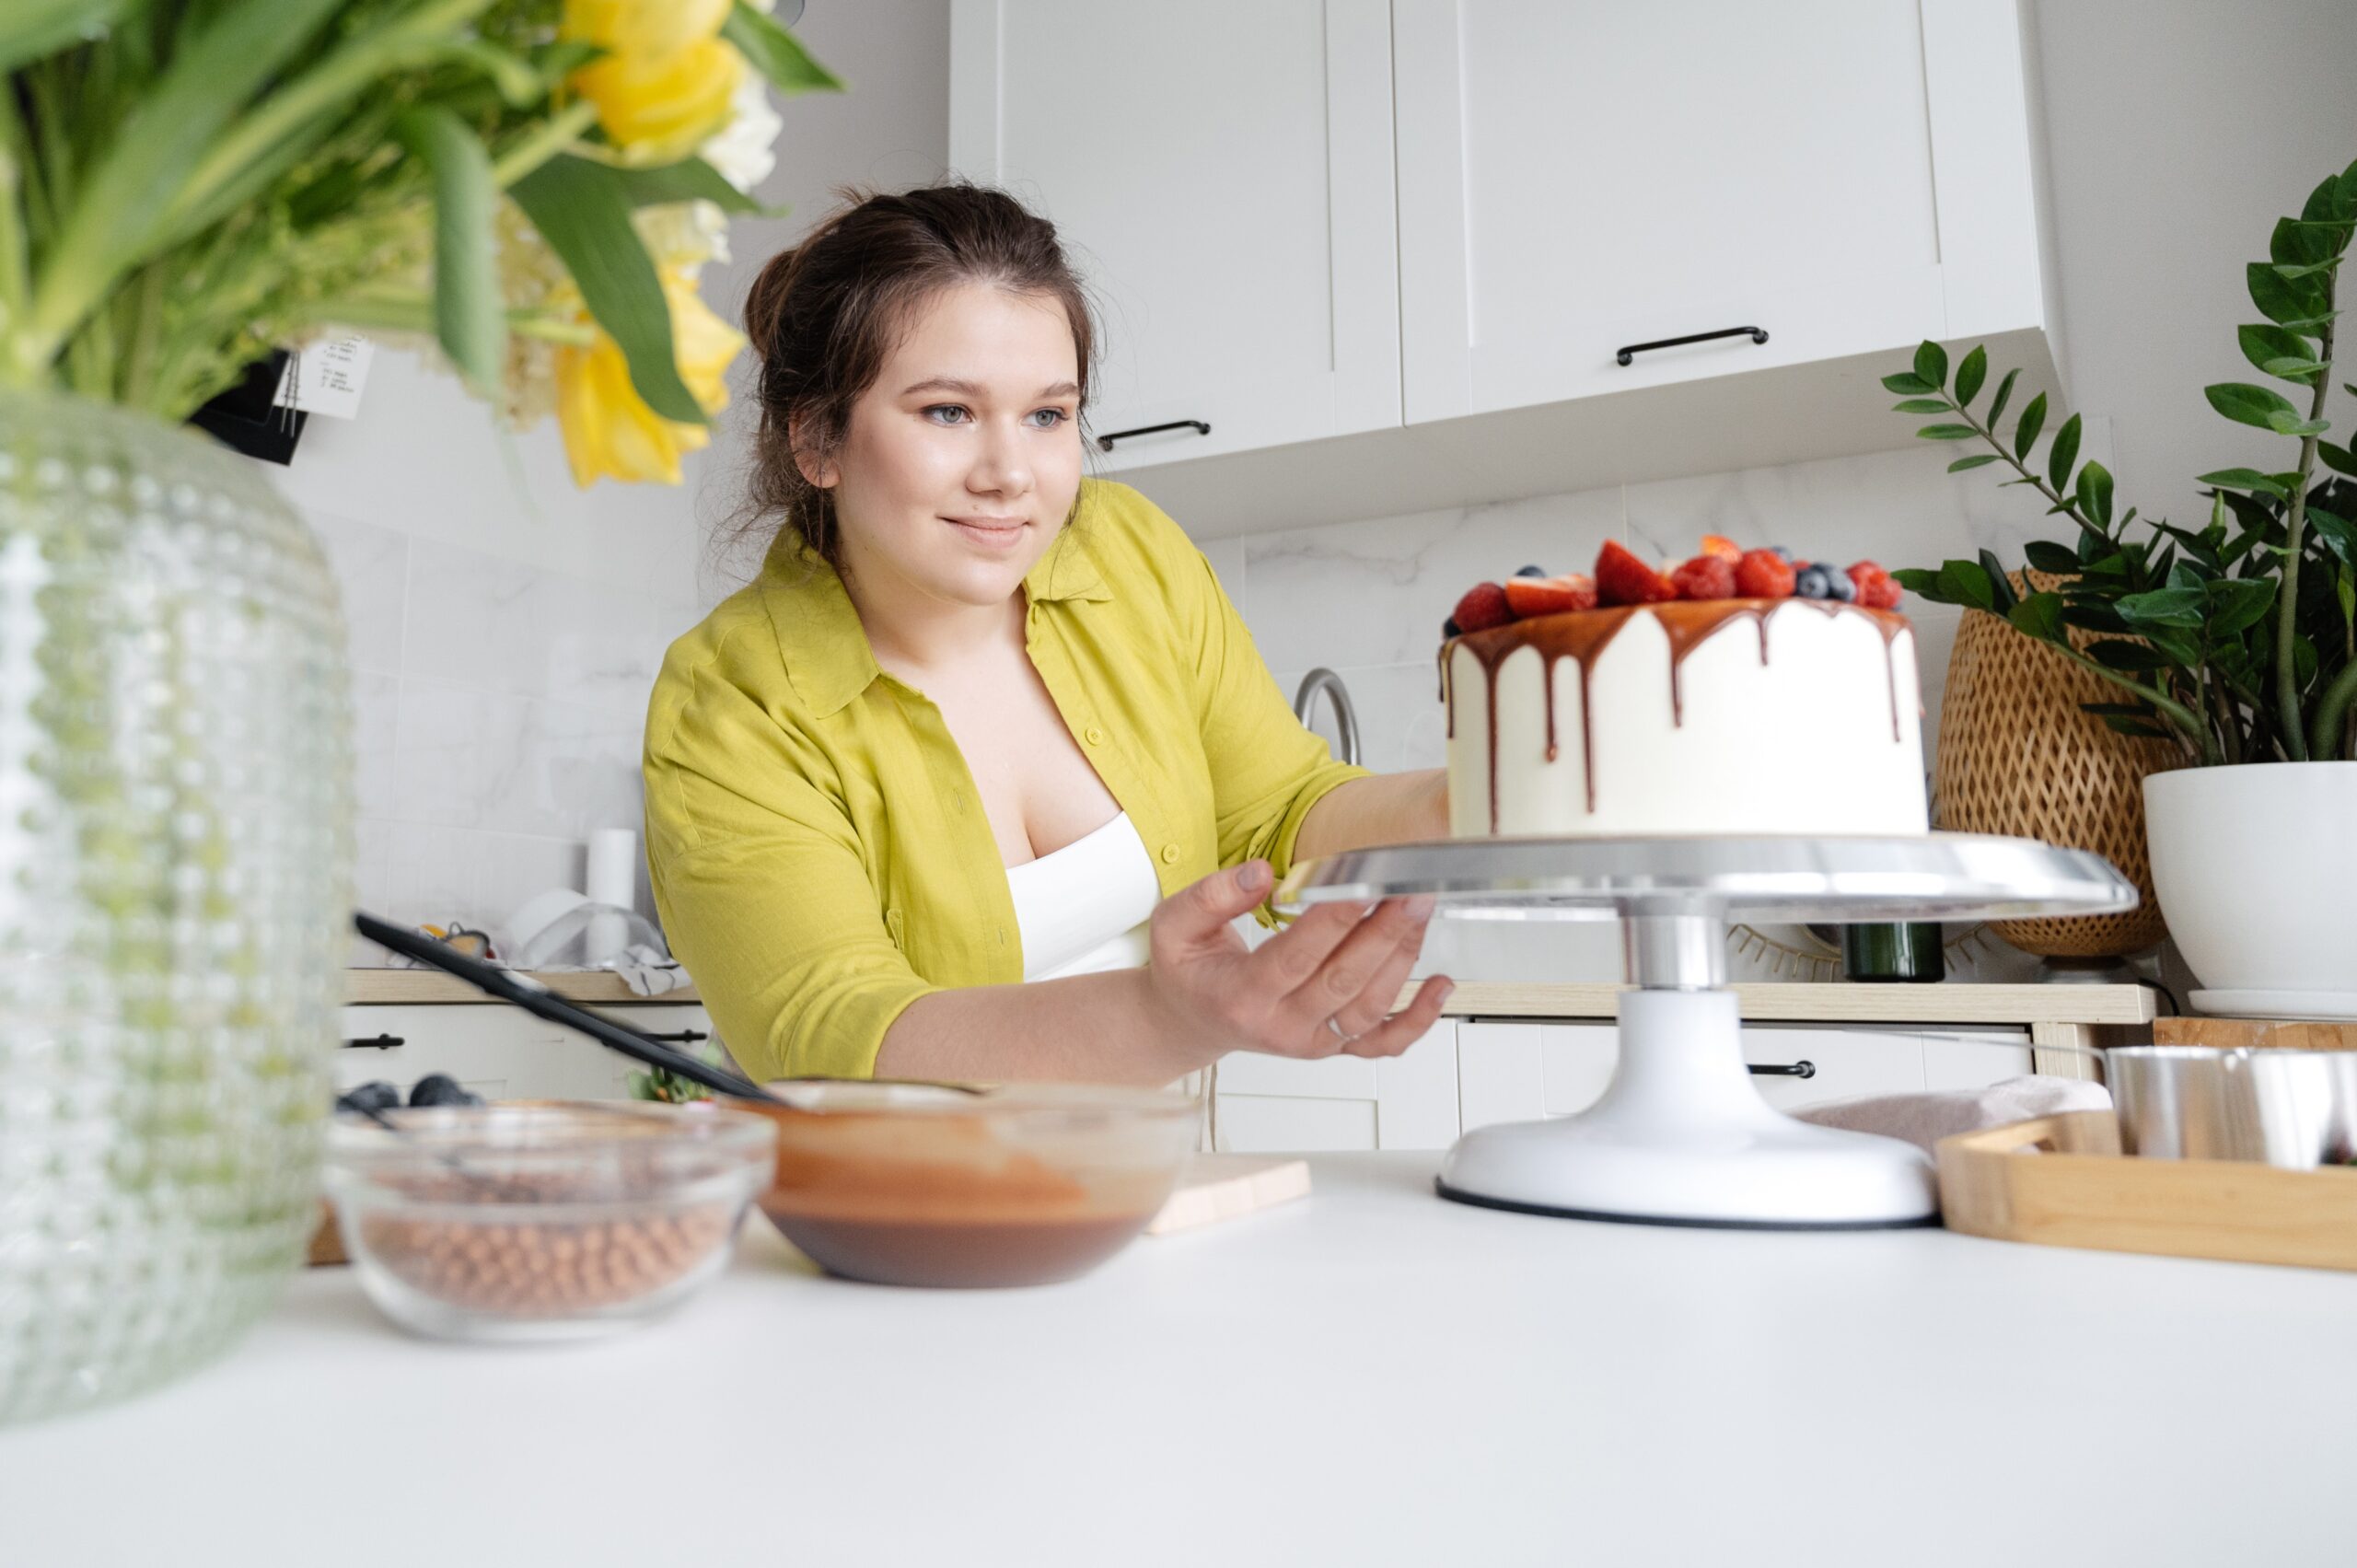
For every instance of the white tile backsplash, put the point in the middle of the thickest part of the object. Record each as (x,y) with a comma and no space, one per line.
(504,630)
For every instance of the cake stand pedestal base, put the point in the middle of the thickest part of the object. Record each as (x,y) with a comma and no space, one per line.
(1682,1137)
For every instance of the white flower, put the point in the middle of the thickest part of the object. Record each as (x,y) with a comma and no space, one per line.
(742,150)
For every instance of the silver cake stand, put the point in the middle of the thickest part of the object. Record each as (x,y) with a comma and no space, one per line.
(1681,1137)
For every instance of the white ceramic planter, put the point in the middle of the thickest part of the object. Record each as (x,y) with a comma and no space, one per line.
(2255,868)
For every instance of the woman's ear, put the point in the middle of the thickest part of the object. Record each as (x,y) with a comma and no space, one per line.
(818,473)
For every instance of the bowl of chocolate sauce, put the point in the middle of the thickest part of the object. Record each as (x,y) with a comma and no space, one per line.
(961,1186)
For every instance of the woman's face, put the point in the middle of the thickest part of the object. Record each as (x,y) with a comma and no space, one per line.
(962,461)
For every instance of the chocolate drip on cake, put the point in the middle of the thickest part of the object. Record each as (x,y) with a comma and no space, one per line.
(1582,637)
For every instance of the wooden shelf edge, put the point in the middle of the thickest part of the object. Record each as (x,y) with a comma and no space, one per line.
(1833,1003)
(364,987)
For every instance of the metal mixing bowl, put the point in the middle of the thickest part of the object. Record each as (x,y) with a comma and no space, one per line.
(2292,1109)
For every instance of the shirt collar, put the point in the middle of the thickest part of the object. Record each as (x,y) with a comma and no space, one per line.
(826,649)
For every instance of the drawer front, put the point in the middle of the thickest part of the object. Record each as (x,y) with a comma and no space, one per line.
(1575,1063)
(499,1052)
(1268,1124)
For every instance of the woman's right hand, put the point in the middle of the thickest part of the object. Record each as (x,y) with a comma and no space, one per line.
(1323,986)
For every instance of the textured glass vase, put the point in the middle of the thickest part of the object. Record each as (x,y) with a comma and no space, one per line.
(175,862)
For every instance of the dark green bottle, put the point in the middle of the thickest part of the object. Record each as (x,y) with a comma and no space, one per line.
(1903,952)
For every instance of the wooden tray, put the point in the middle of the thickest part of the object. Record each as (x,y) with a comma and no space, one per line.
(2061,1181)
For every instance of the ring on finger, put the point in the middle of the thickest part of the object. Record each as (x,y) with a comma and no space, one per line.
(1335,1024)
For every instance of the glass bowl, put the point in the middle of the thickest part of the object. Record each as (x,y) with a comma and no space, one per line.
(545,1221)
(928,1184)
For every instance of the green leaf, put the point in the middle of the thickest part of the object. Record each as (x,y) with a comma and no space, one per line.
(30,29)
(470,315)
(2161,607)
(1921,405)
(1924,584)
(1907,384)
(1969,375)
(2237,603)
(690,180)
(2340,459)
(2289,423)
(2340,535)
(1932,363)
(1981,460)
(2141,730)
(2048,556)
(2304,270)
(2138,709)
(1998,584)
(2247,404)
(2181,646)
(2289,301)
(2298,242)
(2347,590)
(2247,479)
(2095,485)
(1948,433)
(2114,652)
(2262,342)
(775,52)
(2041,615)
(1966,582)
(2065,453)
(581,210)
(1997,403)
(2324,202)
(2033,420)
(148,159)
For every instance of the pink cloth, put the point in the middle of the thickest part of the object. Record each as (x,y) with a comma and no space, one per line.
(1923,1119)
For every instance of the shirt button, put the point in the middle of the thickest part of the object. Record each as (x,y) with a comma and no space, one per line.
(1169,854)
(1096,736)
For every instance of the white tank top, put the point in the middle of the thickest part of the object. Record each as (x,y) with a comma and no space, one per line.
(1085,907)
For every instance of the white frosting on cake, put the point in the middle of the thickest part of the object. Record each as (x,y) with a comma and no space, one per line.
(1822,736)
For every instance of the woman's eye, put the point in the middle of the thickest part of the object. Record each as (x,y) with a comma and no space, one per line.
(1055,416)
(940,413)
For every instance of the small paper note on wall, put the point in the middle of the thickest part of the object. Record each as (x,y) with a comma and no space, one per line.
(327,378)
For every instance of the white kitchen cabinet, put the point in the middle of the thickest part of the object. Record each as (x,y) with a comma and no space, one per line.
(1277,1104)
(1850,177)
(500,1052)
(1223,173)
(1522,1071)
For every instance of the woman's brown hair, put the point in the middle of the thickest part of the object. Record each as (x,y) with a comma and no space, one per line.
(824,316)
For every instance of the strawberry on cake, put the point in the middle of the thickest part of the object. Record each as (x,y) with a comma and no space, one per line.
(1741,692)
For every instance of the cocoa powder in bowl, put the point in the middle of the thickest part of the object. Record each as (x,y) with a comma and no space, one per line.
(923,1185)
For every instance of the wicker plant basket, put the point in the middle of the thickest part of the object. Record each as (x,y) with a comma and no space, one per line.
(2016,756)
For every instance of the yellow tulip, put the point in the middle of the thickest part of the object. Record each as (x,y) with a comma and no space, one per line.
(643,29)
(659,109)
(608,427)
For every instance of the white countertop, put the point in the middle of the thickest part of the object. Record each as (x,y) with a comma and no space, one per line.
(1368,1375)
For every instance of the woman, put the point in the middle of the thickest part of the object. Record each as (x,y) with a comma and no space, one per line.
(981,720)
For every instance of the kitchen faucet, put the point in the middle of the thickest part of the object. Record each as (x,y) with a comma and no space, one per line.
(1346,719)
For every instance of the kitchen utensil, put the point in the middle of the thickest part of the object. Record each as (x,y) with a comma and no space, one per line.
(1212,1188)
(2059,1181)
(1681,1137)
(510,985)
(910,1184)
(2171,1102)
(603,1215)
(2290,1107)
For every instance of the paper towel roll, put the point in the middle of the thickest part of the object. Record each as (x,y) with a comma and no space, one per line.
(612,876)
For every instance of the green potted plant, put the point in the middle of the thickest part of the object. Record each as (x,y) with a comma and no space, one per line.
(2238,635)
(525,187)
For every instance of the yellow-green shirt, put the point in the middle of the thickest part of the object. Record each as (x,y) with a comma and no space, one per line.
(820,855)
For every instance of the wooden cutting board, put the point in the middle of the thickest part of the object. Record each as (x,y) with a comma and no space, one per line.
(2278,1034)
(1226,1187)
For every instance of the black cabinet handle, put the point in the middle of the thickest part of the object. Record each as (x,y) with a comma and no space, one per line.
(1201,427)
(1801,1069)
(679,1037)
(1756,334)
(375,1043)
